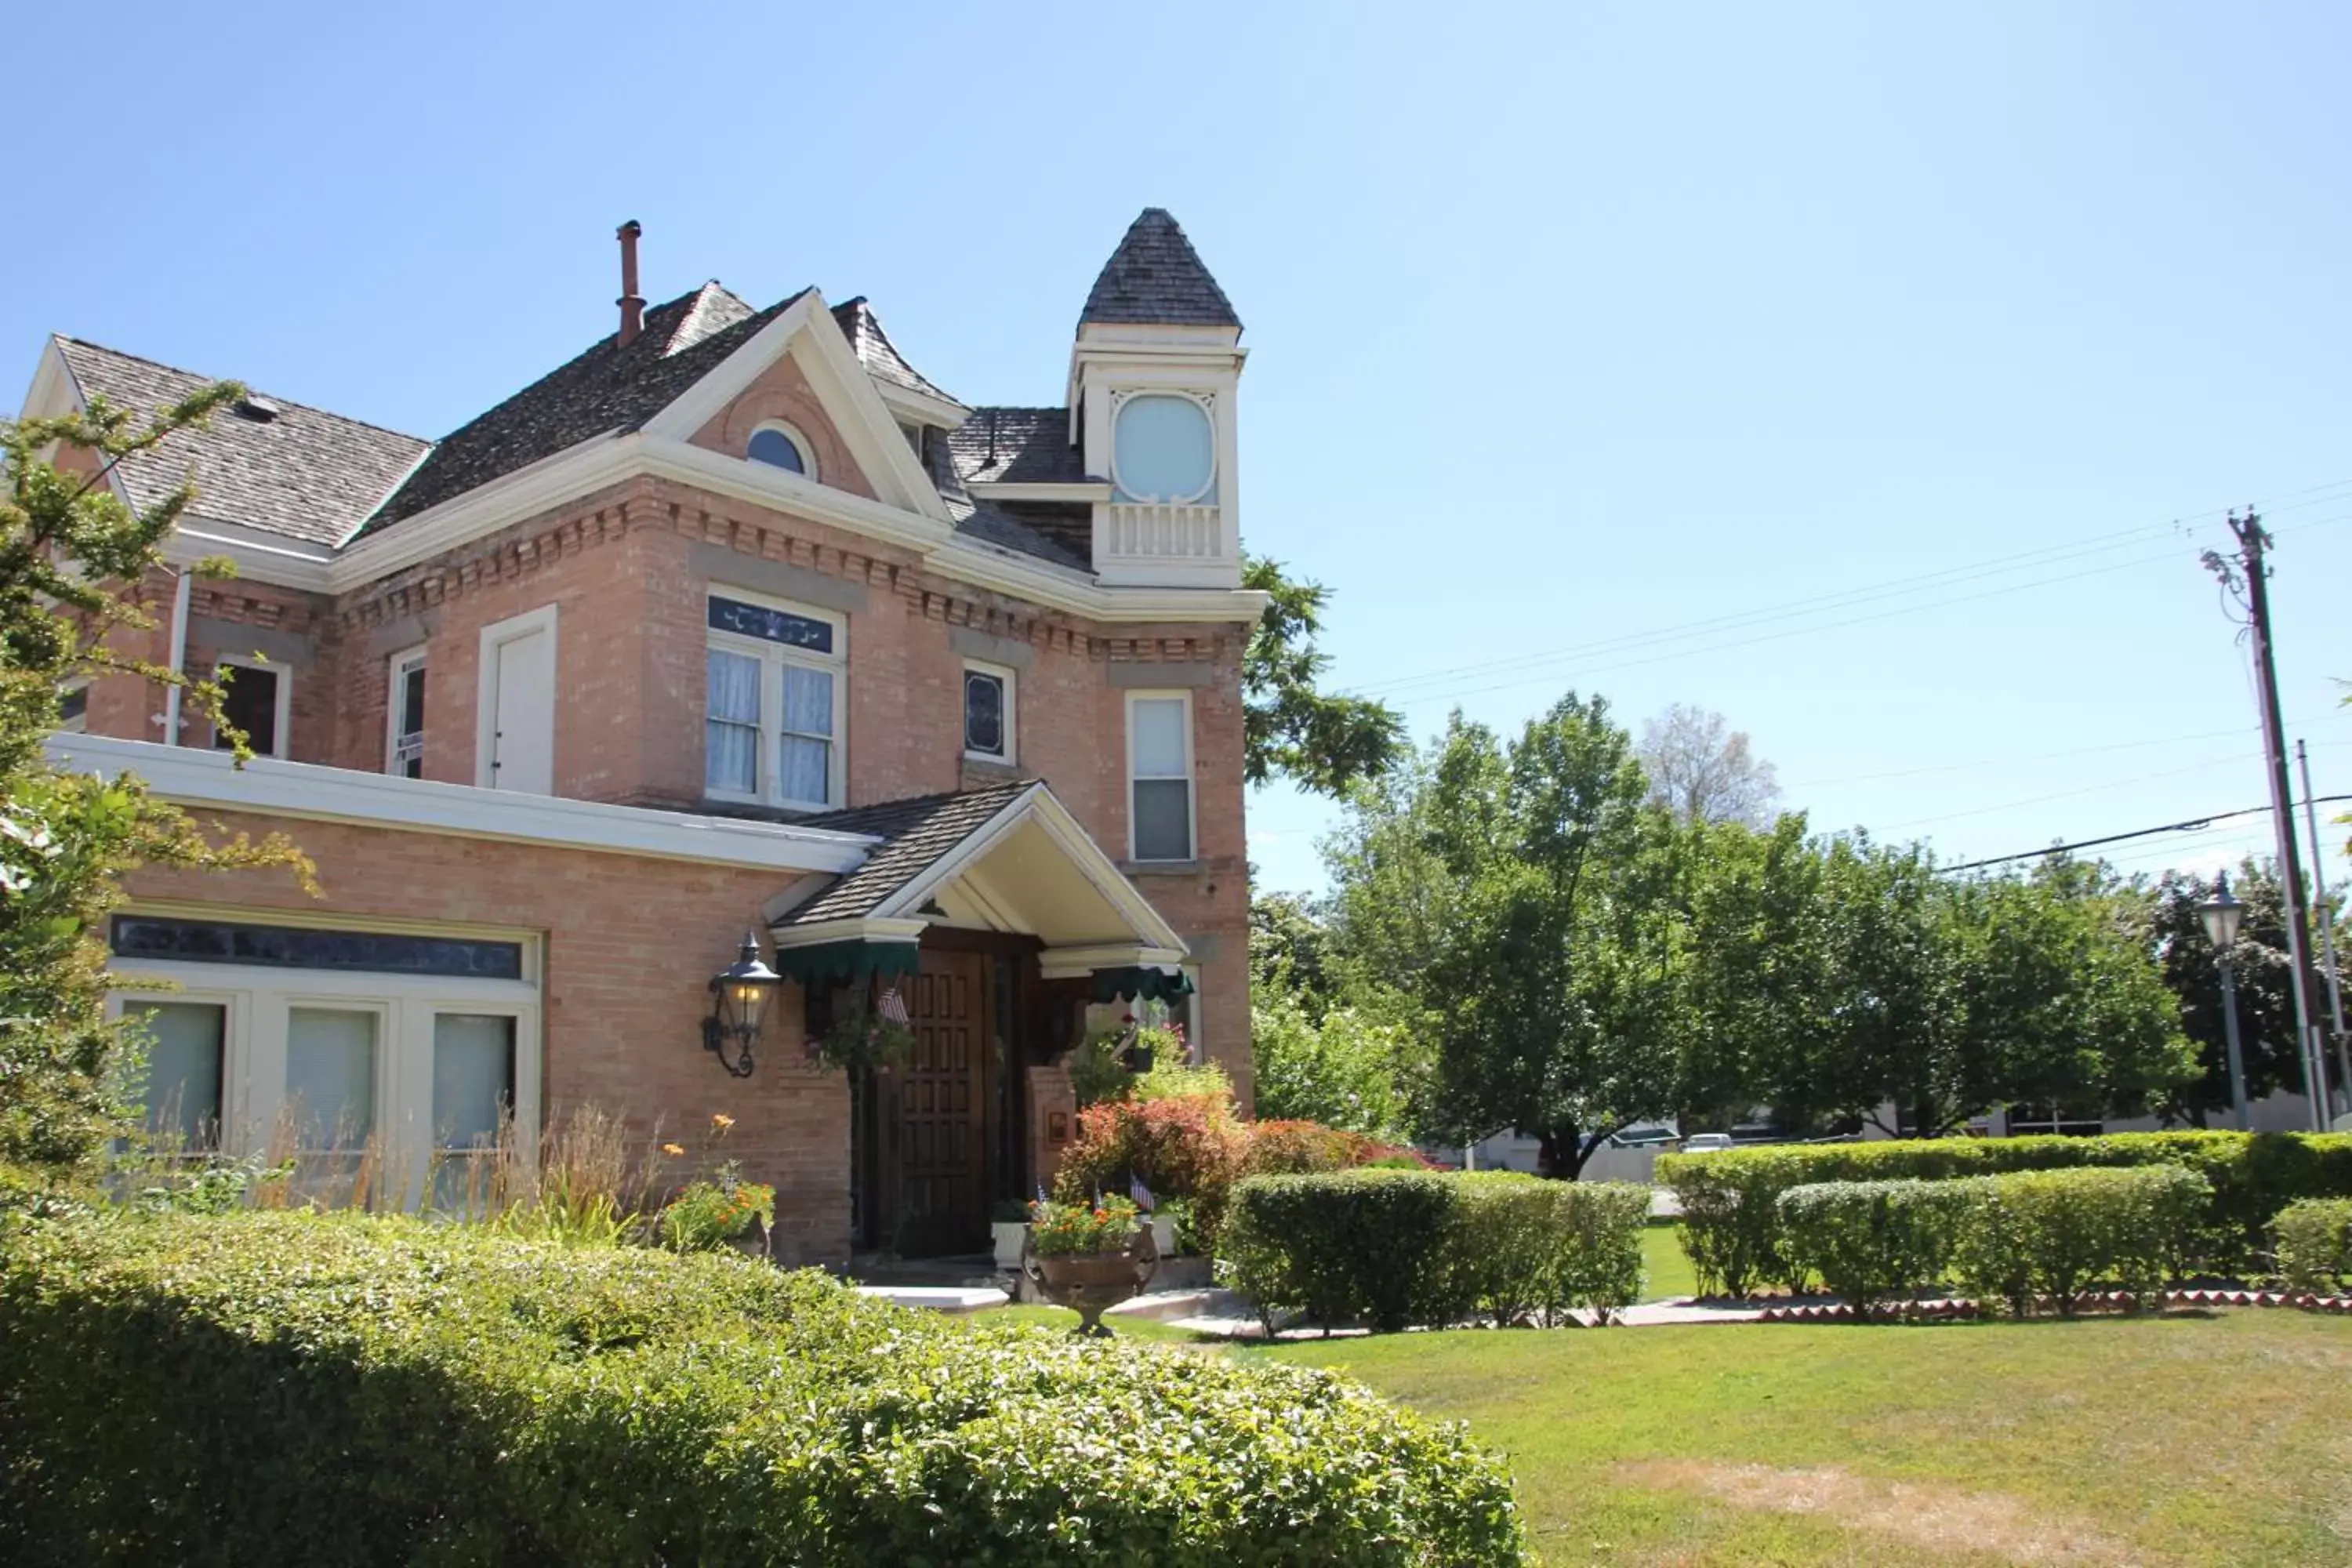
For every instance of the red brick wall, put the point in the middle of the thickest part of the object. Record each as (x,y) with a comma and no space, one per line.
(629,943)
(782,392)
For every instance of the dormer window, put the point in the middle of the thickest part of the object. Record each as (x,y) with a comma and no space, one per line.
(780,446)
(1163,448)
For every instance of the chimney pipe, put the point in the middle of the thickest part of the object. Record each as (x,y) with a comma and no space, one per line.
(633,307)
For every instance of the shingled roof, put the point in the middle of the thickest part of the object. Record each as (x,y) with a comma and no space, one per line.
(606,388)
(915,833)
(1017,447)
(274,464)
(874,351)
(1155,278)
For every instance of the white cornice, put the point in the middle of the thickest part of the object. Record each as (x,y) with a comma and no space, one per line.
(944,412)
(871,929)
(604,462)
(206,778)
(1076,963)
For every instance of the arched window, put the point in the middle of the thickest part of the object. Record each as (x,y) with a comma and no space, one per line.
(780,446)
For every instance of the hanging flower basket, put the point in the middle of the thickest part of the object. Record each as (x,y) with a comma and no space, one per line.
(863,1036)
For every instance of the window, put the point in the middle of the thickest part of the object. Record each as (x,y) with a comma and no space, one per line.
(73,706)
(1160,769)
(781,447)
(771,714)
(404,752)
(182,1093)
(330,1077)
(473,1095)
(988,723)
(914,435)
(2029,1120)
(1163,448)
(363,1054)
(256,700)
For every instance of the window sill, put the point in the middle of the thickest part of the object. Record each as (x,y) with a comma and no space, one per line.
(1162,867)
(756,811)
(991,767)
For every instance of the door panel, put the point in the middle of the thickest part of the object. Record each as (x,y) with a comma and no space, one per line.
(522,729)
(941,1128)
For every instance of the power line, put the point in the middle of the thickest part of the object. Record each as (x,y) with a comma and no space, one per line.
(2054,756)
(1845,598)
(2193,824)
(2168,556)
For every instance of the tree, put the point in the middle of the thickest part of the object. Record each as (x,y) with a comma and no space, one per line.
(2265,981)
(1322,741)
(1290,951)
(1702,771)
(1342,1069)
(1520,898)
(71,557)
(1944,996)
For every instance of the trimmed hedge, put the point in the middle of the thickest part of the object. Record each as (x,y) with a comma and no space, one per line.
(265,1389)
(2032,1236)
(2314,1244)
(1731,1225)
(1392,1248)
(2013,1241)
(1873,1242)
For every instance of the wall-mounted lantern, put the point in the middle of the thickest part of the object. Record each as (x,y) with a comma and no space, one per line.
(740,995)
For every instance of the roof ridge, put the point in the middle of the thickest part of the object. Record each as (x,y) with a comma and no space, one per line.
(274,397)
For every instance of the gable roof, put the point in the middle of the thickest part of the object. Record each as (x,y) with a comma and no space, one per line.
(874,351)
(1017,447)
(1156,278)
(302,472)
(914,834)
(606,388)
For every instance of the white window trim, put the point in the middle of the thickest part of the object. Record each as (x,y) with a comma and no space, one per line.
(284,718)
(1192,778)
(80,723)
(253,1044)
(394,668)
(1011,754)
(1120,398)
(772,658)
(485,685)
(790,433)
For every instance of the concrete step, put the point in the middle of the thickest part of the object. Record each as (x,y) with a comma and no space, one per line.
(957,1301)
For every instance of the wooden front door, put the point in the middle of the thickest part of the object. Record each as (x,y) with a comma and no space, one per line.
(937,1156)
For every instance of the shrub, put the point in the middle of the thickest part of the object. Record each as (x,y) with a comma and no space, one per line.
(1182,1148)
(1394,1248)
(2055,1235)
(1352,1245)
(1731,1224)
(2313,1241)
(1872,1242)
(279,1389)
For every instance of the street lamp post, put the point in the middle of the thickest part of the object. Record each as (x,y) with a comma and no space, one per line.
(2221,913)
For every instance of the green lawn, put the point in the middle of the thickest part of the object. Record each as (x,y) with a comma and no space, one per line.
(2187,1440)
(1662,1258)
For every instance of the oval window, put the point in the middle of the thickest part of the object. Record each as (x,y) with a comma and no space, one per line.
(1163,449)
(776,448)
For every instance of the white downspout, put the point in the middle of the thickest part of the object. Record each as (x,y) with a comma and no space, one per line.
(180,597)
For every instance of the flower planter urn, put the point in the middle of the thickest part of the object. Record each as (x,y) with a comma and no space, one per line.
(1012,1236)
(1090,1283)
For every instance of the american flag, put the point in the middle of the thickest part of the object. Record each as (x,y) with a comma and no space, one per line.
(893,1008)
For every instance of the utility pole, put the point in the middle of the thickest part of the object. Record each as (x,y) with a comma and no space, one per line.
(2327,923)
(2256,586)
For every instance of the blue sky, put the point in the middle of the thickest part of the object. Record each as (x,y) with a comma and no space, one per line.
(1570,325)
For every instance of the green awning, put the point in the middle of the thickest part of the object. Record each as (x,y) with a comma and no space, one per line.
(852,960)
(1141,985)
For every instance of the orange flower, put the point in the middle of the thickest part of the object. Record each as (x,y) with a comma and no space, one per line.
(722,1121)
(673,1149)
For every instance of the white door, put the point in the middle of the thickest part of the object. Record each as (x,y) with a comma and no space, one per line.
(520,688)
